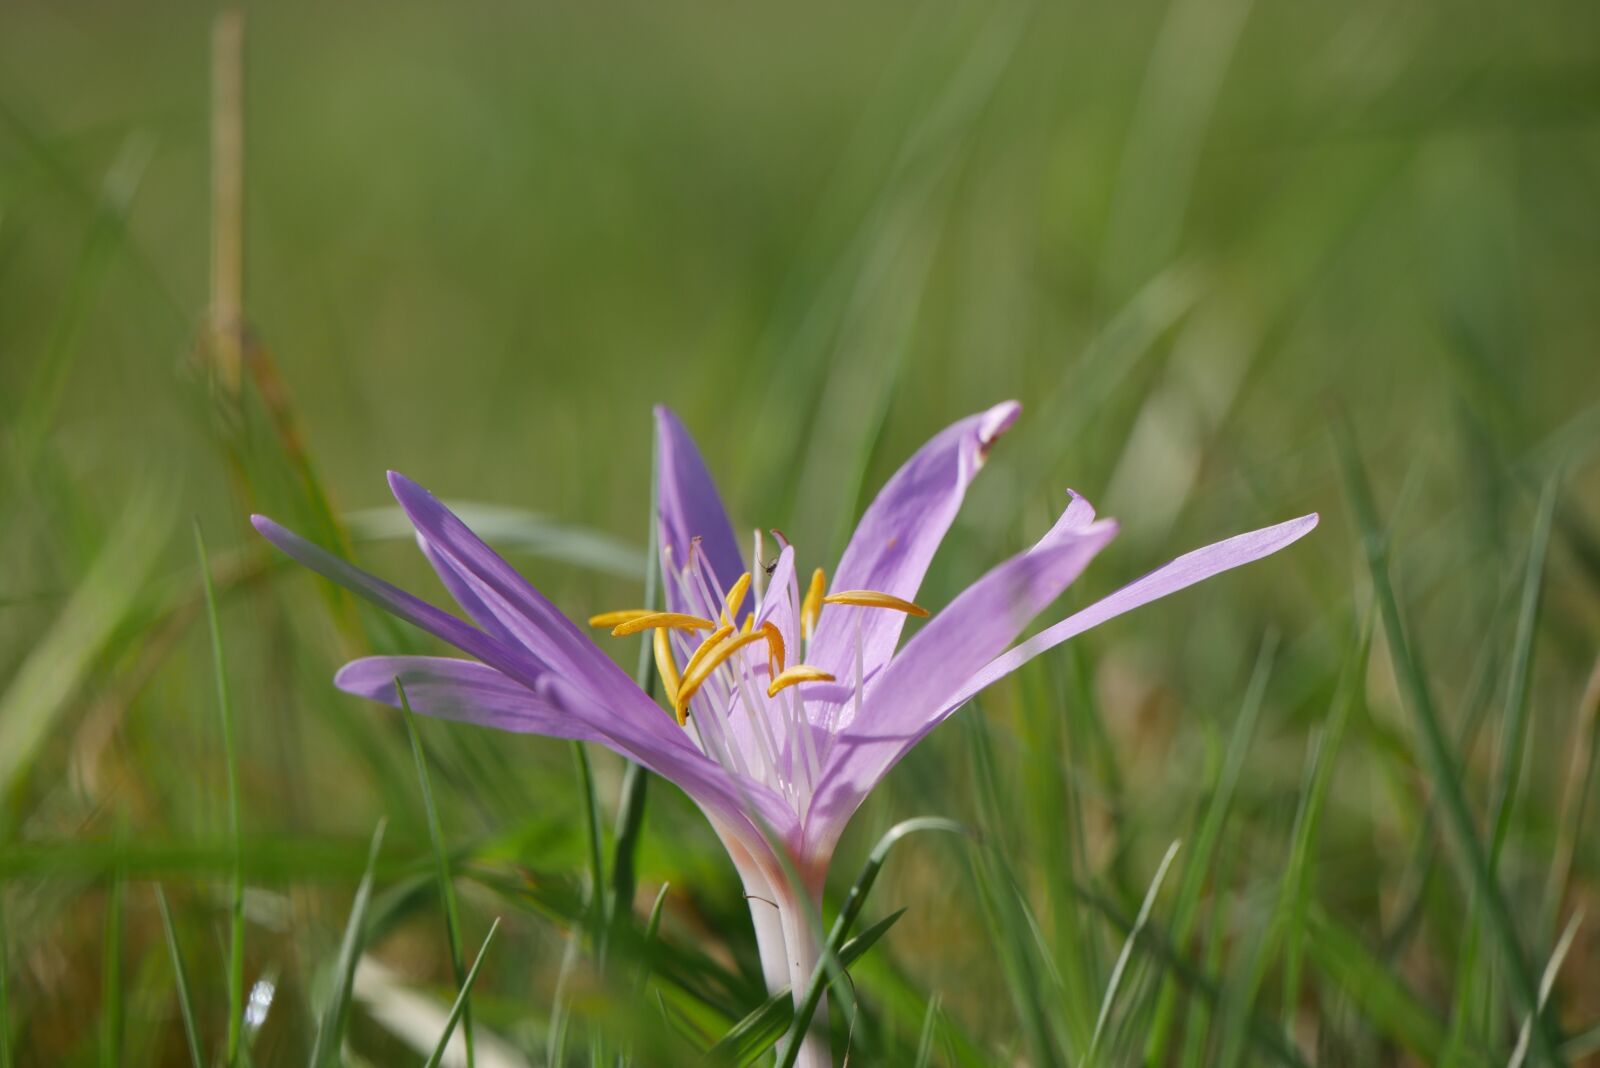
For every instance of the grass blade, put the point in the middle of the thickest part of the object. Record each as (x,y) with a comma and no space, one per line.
(231,762)
(180,976)
(1581,769)
(1514,734)
(1121,966)
(460,1005)
(853,904)
(441,864)
(62,658)
(330,1026)
(1547,982)
(930,1023)
(1387,1004)
(635,780)
(759,1031)
(1297,881)
(1184,909)
(1441,765)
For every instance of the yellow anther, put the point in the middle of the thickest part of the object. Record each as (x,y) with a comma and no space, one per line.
(652,620)
(749,624)
(811,607)
(705,648)
(775,652)
(612,619)
(665,665)
(795,676)
(694,676)
(874,599)
(730,610)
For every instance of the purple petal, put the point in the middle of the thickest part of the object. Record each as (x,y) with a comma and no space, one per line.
(668,752)
(976,626)
(460,690)
(689,506)
(778,606)
(496,588)
(398,602)
(1178,574)
(896,539)
(463,593)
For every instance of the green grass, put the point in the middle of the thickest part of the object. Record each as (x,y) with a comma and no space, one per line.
(1239,262)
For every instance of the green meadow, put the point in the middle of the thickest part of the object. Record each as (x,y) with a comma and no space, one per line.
(1239,262)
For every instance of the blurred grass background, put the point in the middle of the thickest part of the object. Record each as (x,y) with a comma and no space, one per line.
(480,241)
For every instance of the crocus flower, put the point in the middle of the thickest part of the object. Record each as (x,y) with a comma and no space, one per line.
(788,701)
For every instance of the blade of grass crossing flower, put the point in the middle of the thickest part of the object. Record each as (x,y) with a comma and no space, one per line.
(230,758)
(854,902)
(1514,735)
(756,1033)
(635,780)
(441,863)
(1205,846)
(1120,967)
(180,976)
(1440,763)
(335,1013)
(1547,982)
(460,1006)
(597,871)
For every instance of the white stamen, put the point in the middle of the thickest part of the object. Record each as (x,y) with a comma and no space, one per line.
(756,714)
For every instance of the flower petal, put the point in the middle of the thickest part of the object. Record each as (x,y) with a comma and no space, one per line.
(1168,579)
(689,507)
(461,590)
(413,610)
(462,690)
(970,631)
(497,588)
(735,800)
(897,536)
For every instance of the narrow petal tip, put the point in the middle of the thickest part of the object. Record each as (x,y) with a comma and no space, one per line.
(997,421)
(400,484)
(270,529)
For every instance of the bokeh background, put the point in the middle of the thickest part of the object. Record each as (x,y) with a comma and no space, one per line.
(1195,238)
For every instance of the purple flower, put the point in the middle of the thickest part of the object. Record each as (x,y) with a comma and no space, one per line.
(788,706)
